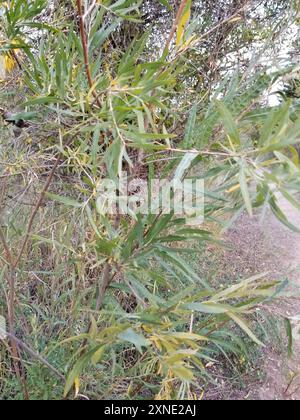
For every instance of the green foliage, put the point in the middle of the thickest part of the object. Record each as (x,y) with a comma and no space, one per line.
(152,317)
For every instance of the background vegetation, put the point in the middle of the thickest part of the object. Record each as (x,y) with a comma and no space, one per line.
(102,306)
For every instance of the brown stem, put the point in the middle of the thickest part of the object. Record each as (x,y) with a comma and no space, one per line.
(14,264)
(235,14)
(16,58)
(40,203)
(36,209)
(107,279)
(11,276)
(16,359)
(294,376)
(35,355)
(103,286)
(84,41)
(5,246)
(210,31)
(175,24)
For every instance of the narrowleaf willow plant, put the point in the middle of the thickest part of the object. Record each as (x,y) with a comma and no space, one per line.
(132,306)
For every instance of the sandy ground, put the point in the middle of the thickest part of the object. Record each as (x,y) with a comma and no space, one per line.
(265,244)
(283,374)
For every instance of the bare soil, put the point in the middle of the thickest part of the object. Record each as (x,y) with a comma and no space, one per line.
(264,244)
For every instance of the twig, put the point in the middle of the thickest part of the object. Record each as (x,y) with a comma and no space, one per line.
(90,9)
(175,24)
(210,31)
(206,34)
(36,209)
(11,276)
(84,42)
(294,376)
(35,355)
(18,367)
(107,279)
(103,286)
(40,202)
(5,245)
(16,58)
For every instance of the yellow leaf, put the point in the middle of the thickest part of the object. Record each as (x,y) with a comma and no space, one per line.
(233,189)
(9,63)
(242,323)
(2,68)
(189,336)
(183,22)
(183,373)
(236,19)
(77,386)
(98,355)
(188,43)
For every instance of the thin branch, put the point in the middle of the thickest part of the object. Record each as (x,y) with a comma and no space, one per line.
(16,58)
(209,32)
(11,276)
(206,34)
(35,355)
(36,209)
(40,203)
(175,24)
(103,286)
(16,359)
(5,246)
(89,10)
(84,42)
(107,279)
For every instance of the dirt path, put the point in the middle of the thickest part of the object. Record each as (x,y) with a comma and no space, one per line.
(283,380)
(267,245)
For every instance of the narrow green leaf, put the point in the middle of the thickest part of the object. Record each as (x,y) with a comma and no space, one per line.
(65,200)
(190,128)
(245,191)
(229,123)
(289,332)
(242,323)
(138,340)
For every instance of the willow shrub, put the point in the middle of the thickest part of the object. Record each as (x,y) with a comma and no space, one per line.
(102,113)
